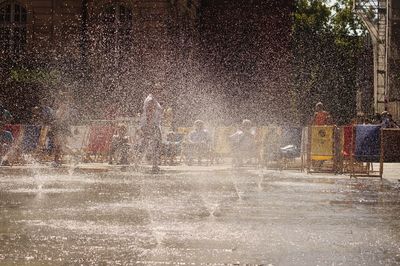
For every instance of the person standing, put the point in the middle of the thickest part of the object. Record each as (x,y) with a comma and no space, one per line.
(6,141)
(5,115)
(60,127)
(150,127)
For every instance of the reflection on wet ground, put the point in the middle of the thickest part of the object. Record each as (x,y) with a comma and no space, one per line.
(197,217)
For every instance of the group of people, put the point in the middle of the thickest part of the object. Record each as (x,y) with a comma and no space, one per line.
(323,117)
(196,145)
(57,120)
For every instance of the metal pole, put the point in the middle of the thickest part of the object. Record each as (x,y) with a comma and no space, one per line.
(84,25)
(387,51)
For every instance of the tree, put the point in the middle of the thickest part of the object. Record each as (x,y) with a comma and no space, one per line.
(327,42)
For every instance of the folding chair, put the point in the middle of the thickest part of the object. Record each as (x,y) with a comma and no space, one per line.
(321,149)
(367,150)
(99,142)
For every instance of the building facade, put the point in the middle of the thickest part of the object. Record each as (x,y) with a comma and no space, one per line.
(57,28)
(244,47)
(113,51)
(99,48)
(394,58)
(382,19)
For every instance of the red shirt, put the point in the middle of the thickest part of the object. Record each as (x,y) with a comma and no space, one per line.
(321,118)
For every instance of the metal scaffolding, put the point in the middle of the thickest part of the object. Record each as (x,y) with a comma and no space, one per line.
(374,14)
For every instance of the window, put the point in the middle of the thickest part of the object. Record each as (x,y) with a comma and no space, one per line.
(117,28)
(13,19)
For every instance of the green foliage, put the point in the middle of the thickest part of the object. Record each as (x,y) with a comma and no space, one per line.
(311,16)
(346,23)
(327,43)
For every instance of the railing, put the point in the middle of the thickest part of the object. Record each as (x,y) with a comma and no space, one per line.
(373,13)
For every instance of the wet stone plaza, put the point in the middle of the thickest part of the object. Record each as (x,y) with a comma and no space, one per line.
(202,215)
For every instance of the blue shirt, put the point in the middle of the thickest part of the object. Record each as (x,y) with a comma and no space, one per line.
(6,137)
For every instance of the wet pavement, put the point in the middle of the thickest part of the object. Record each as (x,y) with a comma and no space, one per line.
(196,216)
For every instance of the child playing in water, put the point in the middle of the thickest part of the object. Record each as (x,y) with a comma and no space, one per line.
(5,115)
(150,127)
(60,127)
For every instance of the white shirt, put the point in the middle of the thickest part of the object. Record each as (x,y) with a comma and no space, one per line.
(157,116)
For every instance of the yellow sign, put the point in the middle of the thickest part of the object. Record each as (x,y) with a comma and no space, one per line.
(321,143)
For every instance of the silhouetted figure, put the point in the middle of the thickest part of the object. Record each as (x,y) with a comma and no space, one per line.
(6,141)
(5,115)
(60,128)
(150,127)
(377,119)
(387,120)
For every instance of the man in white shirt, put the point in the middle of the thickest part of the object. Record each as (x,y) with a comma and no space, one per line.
(150,126)
(60,127)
